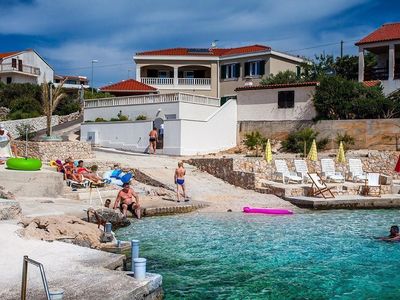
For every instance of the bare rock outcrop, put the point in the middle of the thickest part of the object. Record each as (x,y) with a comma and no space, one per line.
(62,228)
(9,209)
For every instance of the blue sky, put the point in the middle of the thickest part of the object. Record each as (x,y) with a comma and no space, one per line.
(70,33)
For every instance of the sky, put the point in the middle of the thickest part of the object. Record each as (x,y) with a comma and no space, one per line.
(69,34)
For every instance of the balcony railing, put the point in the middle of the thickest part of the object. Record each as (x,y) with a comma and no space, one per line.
(151,99)
(194,81)
(181,81)
(157,81)
(397,71)
(19,68)
(376,74)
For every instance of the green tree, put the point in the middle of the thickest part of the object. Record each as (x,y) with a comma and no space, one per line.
(24,107)
(282,77)
(254,141)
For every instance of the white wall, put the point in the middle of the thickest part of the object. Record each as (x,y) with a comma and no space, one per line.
(216,133)
(30,58)
(133,136)
(195,111)
(262,105)
(390,86)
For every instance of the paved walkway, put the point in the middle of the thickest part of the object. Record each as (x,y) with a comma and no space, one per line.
(201,186)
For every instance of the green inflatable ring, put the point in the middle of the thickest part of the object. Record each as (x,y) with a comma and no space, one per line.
(24,164)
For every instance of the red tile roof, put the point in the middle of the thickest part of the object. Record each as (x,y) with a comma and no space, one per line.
(277,86)
(7,54)
(129,85)
(207,52)
(371,83)
(387,32)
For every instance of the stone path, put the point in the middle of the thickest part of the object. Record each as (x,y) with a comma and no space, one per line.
(201,186)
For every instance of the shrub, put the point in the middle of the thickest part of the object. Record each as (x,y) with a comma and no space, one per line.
(345,138)
(281,77)
(300,141)
(254,141)
(123,118)
(141,117)
(25,107)
(114,119)
(23,128)
(67,106)
(100,120)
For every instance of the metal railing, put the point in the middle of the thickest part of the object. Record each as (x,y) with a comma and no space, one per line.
(25,277)
(148,99)
(19,68)
(194,81)
(376,74)
(157,81)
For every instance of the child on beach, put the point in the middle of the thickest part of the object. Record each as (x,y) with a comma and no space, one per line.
(179,179)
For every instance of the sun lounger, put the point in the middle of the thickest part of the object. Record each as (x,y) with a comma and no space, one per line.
(372,186)
(319,187)
(283,172)
(301,169)
(356,172)
(329,172)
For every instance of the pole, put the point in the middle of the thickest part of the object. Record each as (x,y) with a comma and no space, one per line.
(341,48)
(24,277)
(92,77)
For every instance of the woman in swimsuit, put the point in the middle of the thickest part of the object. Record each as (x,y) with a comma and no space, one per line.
(125,201)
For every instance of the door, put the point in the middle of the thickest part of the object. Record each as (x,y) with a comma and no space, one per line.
(158,123)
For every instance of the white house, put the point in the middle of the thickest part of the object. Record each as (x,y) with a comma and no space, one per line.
(25,66)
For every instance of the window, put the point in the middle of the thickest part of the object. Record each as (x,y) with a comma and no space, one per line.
(188,74)
(254,68)
(286,99)
(14,63)
(230,71)
(9,80)
(163,74)
(298,71)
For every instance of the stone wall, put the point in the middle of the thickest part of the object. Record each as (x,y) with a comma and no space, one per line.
(47,151)
(71,117)
(374,134)
(223,168)
(37,123)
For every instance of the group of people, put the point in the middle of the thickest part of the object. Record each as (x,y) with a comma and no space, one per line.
(77,172)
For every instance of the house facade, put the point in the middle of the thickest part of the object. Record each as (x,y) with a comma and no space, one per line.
(24,67)
(384,43)
(72,82)
(214,72)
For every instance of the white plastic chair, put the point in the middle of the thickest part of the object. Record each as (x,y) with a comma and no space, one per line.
(372,185)
(329,172)
(301,169)
(282,171)
(356,172)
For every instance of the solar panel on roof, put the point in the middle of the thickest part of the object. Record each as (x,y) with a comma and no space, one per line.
(198,50)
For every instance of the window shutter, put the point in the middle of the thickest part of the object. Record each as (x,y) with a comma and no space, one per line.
(237,70)
(246,69)
(14,63)
(262,67)
(223,72)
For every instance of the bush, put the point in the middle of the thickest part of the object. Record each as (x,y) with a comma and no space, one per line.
(141,118)
(345,138)
(25,107)
(67,106)
(114,119)
(13,91)
(100,120)
(300,141)
(23,128)
(254,141)
(281,77)
(123,118)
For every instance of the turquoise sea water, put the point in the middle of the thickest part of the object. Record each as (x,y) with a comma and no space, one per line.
(310,255)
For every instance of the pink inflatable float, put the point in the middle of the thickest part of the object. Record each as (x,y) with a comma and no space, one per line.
(268,211)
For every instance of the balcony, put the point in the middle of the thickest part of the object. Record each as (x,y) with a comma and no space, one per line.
(376,74)
(156,81)
(28,70)
(182,83)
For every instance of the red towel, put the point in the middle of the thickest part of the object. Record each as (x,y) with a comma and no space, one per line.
(397,169)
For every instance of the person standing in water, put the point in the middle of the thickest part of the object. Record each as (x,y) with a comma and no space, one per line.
(153,136)
(179,179)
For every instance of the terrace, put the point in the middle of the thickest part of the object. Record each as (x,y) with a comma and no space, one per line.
(20,68)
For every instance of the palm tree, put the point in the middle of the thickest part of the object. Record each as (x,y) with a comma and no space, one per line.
(50,99)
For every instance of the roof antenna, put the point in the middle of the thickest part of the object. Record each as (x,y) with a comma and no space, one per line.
(214,44)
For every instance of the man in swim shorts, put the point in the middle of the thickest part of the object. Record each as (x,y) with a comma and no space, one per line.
(179,179)
(153,135)
(394,235)
(125,201)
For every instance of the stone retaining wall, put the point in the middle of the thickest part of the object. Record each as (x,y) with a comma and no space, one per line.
(71,117)
(224,168)
(47,151)
(36,123)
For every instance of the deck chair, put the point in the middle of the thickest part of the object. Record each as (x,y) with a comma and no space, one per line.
(301,169)
(329,171)
(283,172)
(320,186)
(356,172)
(372,186)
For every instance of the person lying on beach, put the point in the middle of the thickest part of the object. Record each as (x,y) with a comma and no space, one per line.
(86,173)
(393,235)
(179,179)
(70,171)
(125,201)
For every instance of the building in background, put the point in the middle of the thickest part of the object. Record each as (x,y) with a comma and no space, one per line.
(214,72)
(129,87)
(72,82)
(384,43)
(25,66)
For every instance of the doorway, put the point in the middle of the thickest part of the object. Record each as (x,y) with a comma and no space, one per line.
(158,123)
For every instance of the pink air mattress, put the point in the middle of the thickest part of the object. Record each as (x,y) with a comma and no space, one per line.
(268,211)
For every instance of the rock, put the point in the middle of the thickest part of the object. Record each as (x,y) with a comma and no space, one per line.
(62,228)
(6,194)
(9,209)
(4,111)
(115,217)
